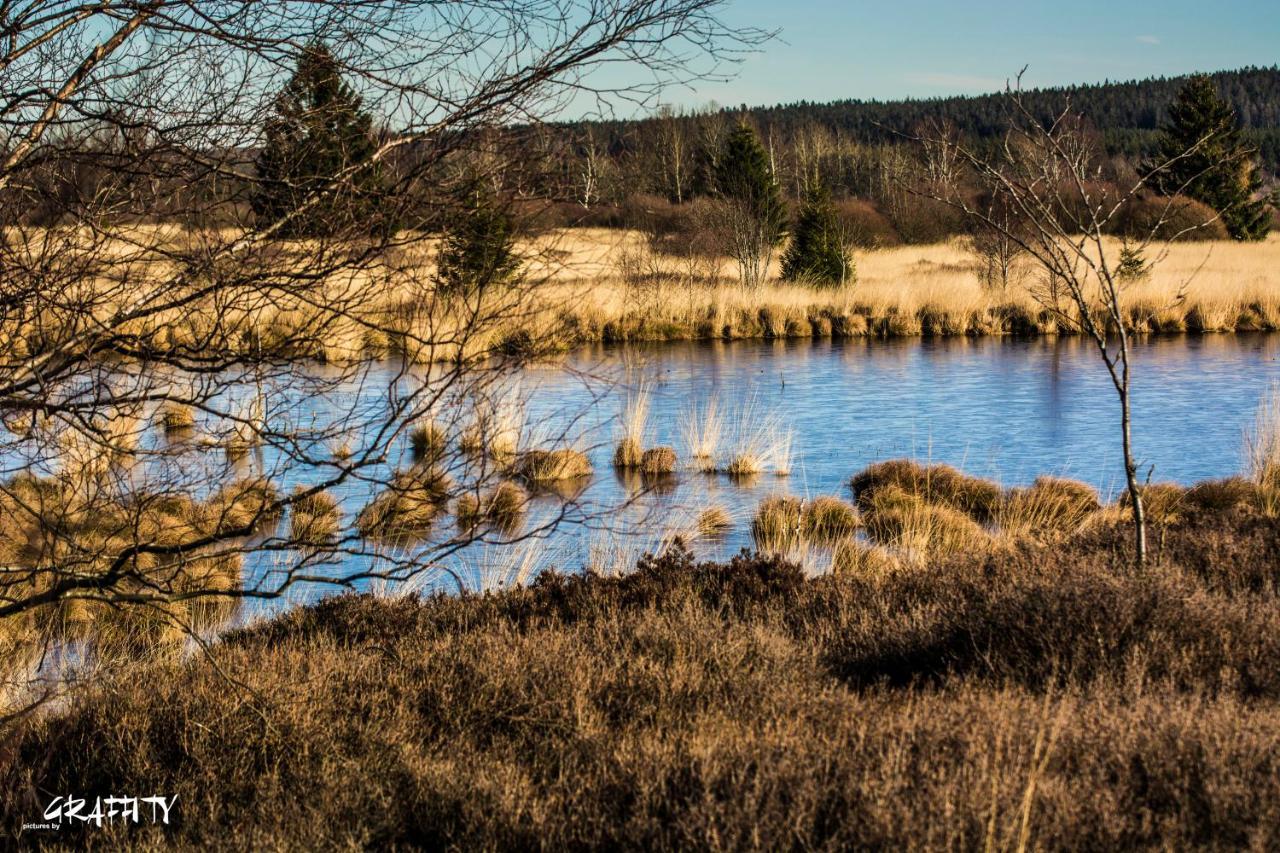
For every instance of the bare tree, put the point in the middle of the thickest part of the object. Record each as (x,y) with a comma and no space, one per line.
(185,390)
(1043,197)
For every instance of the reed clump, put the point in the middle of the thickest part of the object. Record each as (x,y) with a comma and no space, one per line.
(314,517)
(779,523)
(408,507)
(714,521)
(828,519)
(503,507)
(176,418)
(934,484)
(1050,505)
(919,529)
(657,461)
(250,504)
(550,466)
(428,443)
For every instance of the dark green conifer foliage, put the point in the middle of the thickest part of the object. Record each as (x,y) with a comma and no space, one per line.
(478,247)
(817,253)
(743,174)
(1221,170)
(316,154)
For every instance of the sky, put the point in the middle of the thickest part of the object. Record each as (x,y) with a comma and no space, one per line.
(830,50)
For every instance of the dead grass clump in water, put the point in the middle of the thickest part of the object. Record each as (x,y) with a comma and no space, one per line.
(714,521)
(702,429)
(428,443)
(549,466)
(177,417)
(918,529)
(1049,505)
(314,517)
(407,507)
(828,520)
(657,461)
(778,524)
(936,484)
(627,454)
(250,504)
(503,508)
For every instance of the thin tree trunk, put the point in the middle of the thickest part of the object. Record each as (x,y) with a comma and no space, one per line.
(1131,478)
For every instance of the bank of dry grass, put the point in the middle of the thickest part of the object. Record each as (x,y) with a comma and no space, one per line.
(581,288)
(1049,697)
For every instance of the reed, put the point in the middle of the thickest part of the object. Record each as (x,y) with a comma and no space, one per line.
(1051,505)
(408,507)
(634,427)
(939,484)
(176,417)
(714,521)
(313,517)
(503,507)
(428,443)
(657,461)
(702,427)
(549,466)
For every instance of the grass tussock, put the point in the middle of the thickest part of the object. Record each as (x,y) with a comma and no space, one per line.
(428,443)
(314,517)
(714,521)
(176,418)
(503,507)
(551,466)
(934,484)
(657,461)
(785,522)
(1049,696)
(1050,505)
(408,506)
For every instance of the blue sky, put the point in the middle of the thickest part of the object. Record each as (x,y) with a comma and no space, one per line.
(828,50)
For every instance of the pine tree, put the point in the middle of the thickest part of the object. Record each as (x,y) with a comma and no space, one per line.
(757,217)
(816,253)
(1220,170)
(478,247)
(316,156)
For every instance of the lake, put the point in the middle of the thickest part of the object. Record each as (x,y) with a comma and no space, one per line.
(1005,409)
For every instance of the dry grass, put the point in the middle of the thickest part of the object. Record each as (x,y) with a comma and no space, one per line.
(939,484)
(407,507)
(428,443)
(314,518)
(657,461)
(1047,698)
(1051,505)
(176,417)
(503,507)
(714,521)
(550,466)
(702,428)
(912,290)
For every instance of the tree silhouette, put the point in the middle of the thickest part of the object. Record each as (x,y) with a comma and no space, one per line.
(817,253)
(1203,155)
(315,170)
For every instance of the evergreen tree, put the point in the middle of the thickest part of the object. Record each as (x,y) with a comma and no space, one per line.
(478,247)
(316,143)
(816,253)
(757,218)
(1220,171)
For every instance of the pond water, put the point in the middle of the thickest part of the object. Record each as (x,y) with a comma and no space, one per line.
(1009,410)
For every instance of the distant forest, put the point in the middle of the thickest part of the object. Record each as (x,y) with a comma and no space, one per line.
(1127,114)
(609,172)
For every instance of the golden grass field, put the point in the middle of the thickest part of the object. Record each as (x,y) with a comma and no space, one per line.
(587,285)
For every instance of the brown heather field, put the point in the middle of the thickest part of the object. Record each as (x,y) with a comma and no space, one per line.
(596,284)
(1023,692)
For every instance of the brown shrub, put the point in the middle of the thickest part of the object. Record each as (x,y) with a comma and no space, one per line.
(1166,218)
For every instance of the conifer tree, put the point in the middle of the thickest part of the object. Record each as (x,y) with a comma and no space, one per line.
(817,253)
(478,246)
(314,163)
(1220,169)
(756,216)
